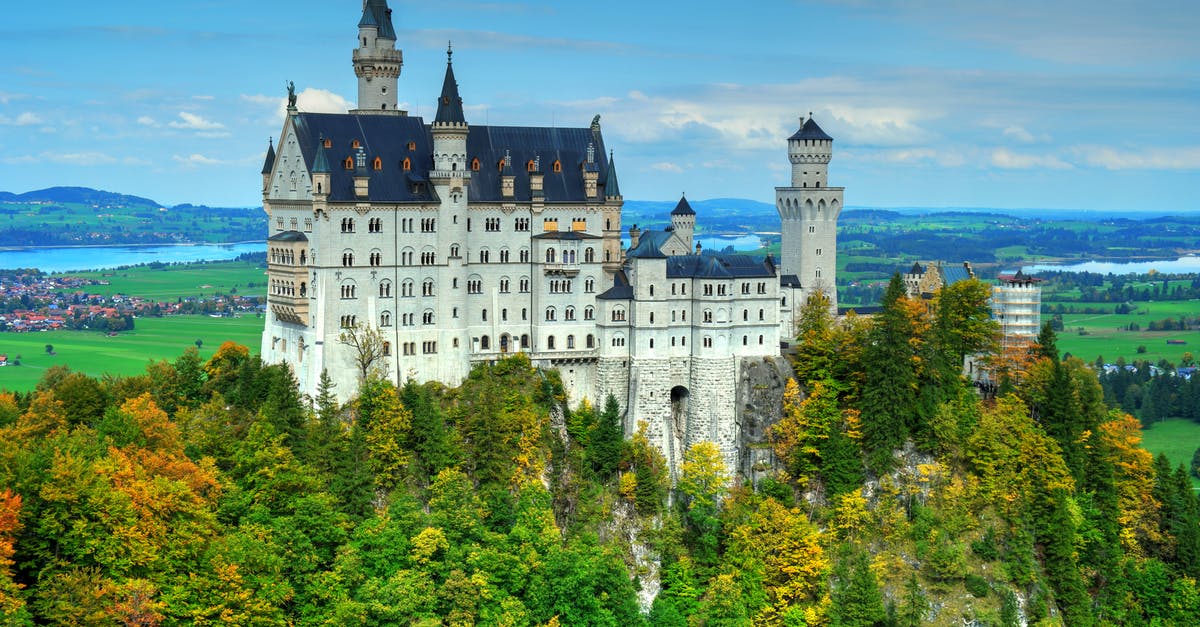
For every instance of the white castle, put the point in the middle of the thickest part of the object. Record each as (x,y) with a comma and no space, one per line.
(464,243)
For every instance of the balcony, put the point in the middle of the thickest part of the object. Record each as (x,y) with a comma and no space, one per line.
(561,269)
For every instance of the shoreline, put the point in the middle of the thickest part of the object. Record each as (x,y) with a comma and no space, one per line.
(20,248)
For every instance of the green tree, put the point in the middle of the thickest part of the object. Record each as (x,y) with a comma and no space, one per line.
(702,481)
(890,391)
(604,452)
(855,597)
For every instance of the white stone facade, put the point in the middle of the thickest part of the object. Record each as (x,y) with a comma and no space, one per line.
(462,244)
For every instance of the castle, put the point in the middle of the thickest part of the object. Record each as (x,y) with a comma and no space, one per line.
(463,243)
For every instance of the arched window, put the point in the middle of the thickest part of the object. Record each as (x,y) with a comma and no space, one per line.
(591,341)
(557,167)
(475,164)
(550,343)
(589,313)
(377,164)
(348,163)
(589,255)
(406,165)
(529,166)
(549,255)
(570,338)
(485,343)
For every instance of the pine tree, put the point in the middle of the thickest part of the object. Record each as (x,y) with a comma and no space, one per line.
(607,440)
(889,394)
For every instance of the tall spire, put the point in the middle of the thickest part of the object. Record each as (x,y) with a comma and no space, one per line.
(450,109)
(269,162)
(376,13)
(611,188)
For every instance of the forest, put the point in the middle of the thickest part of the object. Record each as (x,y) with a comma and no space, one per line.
(210,492)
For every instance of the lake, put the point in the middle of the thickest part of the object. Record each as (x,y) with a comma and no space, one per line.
(98,257)
(741,243)
(1182,265)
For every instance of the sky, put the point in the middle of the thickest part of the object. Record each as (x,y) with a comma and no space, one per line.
(1064,104)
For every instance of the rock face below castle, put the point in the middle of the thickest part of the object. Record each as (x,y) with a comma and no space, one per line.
(452,244)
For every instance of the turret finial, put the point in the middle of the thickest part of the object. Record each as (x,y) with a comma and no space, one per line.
(449,51)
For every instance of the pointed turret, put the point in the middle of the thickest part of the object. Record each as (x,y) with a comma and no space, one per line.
(611,188)
(683,221)
(321,171)
(376,14)
(450,108)
(269,162)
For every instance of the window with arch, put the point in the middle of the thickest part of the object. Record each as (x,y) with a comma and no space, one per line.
(348,163)
(524,255)
(483,315)
(387,349)
(707,342)
(570,342)
(347,225)
(328,143)
(530,166)
(349,290)
(504,285)
(504,255)
(474,286)
(569,313)
(475,164)
(651,290)
(651,342)
(454,250)
(708,315)
(589,313)
(349,321)
(818,273)
(427,288)
(385,319)
(589,285)
(652,317)
(484,256)
(376,258)
(524,284)
(377,164)
(406,165)
(760,340)
(485,343)
(550,343)
(347,259)
(412,146)
(551,314)
(406,288)
(550,255)
(745,315)
(427,317)
(618,315)
(761,315)
(591,341)
(745,340)
(355,144)
(385,289)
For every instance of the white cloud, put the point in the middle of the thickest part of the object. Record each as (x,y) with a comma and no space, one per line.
(1019,134)
(946,158)
(310,99)
(146,120)
(26,118)
(191,121)
(666,166)
(1004,158)
(1179,158)
(196,159)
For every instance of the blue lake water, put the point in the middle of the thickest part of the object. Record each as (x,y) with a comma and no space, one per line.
(99,257)
(1182,265)
(717,243)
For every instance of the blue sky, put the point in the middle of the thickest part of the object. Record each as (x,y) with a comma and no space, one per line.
(939,103)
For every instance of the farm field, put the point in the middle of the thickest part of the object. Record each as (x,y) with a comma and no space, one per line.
(1106,335)
(95,354)
(170,282)
(1177,439)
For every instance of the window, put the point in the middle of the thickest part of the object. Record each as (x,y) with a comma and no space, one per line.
(570,339)
(491,225)
(550,343)
(557,167)
(524,285)
(745,315)
(720,290)
(375,225)
(427,288)
(407,319)
(618,315)
(412,146)
(504,315)
(651,290)
(745,340)
(745,288)
(483,315)
(550,255)
(348,163)
(428,225)
(474,286)
(818,273)
(385,289)
(673,286)
(485,343)
(429,348)
(652,317)
(708,315)
(591,341)
(387,349)
(708,291)
(524,255)
(504,285)
(406,258)
(428,258)
(347,225)
(618,341)
(454,250)
(651,342)
(377,164)
(812,229)
(347,259)
(707,342)
(521,224)
(376,258)
(406,165)
(484,256)
(589,285)
(406,288)
(504,256)
(427,317)
(308,225)
(348,291)
(385,319)
(818,251)
(589,313)
(328,143)
(410,348)
(530,166)
(551,314)
(569,314)
(349,321)
(475,164)
(761,313)
(762,288)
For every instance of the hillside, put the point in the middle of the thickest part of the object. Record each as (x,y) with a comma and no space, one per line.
(65,216)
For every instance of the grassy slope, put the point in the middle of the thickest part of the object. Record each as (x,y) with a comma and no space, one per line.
(1107,337)
(181,281)
(1177,439)
(127,354)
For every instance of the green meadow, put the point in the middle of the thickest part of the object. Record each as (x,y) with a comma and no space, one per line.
(1088,336)
(1177,439)
(171,282)
(128,353)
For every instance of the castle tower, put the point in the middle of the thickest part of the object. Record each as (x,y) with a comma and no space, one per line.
(809,211)
(377,62)
(683,221)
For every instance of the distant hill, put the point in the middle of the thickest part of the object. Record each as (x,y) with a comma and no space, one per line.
(82,195)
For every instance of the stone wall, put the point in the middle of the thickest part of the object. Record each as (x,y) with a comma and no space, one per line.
(760,387)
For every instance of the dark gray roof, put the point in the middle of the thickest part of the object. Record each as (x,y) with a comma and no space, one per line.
(683,208)
(450,107)
(565,235)
(621,289)
(790,280)
(718,267)
(611,188)
(810,130)
(321,162)
(916,269)
(288,236)
(388,137)
(650,245)
(954,274)
(269,162)
(376,13)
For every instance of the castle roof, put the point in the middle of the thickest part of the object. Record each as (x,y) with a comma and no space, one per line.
(376,13)
(810,130)
(683,208)
(611,188)
(718,267)
(621,289)
(321,162)
(288,236)
(450,107)
(389,137)
(269,162)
